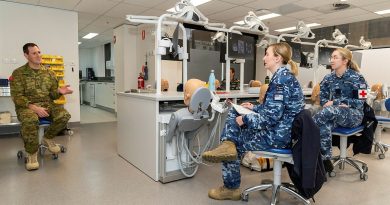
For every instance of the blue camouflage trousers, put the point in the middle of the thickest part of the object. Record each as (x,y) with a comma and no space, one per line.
(245,140)
(331,117)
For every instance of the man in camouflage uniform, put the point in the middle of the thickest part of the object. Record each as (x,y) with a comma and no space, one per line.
(268,127)
(339,96)
(33,89)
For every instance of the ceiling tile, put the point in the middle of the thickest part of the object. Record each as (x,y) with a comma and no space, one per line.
(153,12)
(59,4)
(365,2)
(378,7)
(95,6)
(33,2)
(94,29)
(261,4)
(107,21)
(304,14)
(280,19)
(241,2)
(166,5)
(313,3)
(144,3)
(215,6)
(235,12)
(123,9)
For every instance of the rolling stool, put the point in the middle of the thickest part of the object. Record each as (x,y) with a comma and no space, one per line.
(344,133)
(382,123)
(43,123)
(278,156)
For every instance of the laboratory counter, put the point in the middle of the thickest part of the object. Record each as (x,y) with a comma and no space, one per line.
(140,117)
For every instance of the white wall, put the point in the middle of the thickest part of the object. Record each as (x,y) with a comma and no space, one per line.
(85,59)
(173,72)
(54,31)
(375,65)
(98,61)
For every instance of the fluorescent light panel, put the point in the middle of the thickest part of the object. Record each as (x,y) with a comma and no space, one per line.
(80,42)
(294,27)
(263,17)
(382,12)
(194,2)
(90,35)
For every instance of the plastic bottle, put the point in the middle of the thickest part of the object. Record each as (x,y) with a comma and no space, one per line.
(266,81)
(212,81)
(141,81)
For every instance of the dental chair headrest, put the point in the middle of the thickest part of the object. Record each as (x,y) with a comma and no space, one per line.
(200,100)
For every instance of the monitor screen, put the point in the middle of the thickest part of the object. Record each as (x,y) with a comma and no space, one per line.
(296,51)
(241,46)
(324,55)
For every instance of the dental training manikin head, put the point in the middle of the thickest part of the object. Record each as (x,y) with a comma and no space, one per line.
(263,90)
(315,95)
(164,85)
(190,87)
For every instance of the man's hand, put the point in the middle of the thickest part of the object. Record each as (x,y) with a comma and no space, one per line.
(329,103)
(40,111)
(247,105)
(239,120)
(65,90)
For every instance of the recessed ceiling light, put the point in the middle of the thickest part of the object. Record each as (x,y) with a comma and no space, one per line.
(382,12)
(263,17)
(294,27)
(90,35)
(194,2)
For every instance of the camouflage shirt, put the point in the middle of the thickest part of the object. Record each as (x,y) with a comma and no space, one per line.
(283,101)
(344,89)
(29,86)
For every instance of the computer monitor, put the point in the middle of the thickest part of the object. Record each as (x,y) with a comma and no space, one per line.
(296,51)
(324,55)
(241,46)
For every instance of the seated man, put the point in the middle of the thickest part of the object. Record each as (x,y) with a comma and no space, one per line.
(33,89)
(234,83)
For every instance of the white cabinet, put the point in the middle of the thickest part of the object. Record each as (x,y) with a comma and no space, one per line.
(105,94)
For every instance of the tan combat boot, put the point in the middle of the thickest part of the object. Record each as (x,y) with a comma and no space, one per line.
(223,193)
(51,145)
(32,161)
(226,151)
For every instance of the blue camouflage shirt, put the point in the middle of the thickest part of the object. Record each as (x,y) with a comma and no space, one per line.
(283,101)
(344,89)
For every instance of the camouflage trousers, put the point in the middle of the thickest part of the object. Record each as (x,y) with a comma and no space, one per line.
(245,140)
(29,120)
(331,117)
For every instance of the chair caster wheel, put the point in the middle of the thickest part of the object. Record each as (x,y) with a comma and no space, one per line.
(63,149)
(70,132)
(385,148)
(55,156)
(20,155)
(365,168)
(381,156)
(332,174)
(244,197)
(364,177)
(25,160)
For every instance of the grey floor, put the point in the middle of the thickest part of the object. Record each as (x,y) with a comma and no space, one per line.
(91,172)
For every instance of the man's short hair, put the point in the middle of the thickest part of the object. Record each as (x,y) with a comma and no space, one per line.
(28,45)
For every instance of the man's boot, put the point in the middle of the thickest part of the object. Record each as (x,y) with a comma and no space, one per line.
(223,193)
(32,161)
(226,151)
(51,145)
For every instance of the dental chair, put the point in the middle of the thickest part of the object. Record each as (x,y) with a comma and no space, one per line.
(184,125)
(43,124)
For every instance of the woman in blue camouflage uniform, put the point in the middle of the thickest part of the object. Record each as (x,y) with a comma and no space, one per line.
(339,96)
(268,127)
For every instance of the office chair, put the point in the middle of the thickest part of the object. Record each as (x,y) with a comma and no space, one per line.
(43,124)
(383,122)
